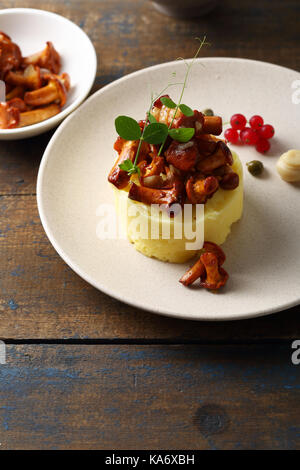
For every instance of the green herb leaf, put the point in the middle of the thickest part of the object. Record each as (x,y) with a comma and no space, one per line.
(155,133)
(183,134)
(127,128)
(168,102)
(186,110)
(151,118)
(129,167)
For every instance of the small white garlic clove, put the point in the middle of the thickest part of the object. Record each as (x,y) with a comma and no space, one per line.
(288,166)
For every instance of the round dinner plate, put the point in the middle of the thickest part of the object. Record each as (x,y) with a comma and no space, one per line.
(263,248)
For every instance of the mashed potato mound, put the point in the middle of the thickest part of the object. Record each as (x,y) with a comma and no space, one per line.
(220,212)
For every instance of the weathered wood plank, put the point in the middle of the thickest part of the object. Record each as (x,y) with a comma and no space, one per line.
(41,297)
(130,34)
(149,397)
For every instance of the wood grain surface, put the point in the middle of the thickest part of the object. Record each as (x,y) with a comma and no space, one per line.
(150,397)
(85,371)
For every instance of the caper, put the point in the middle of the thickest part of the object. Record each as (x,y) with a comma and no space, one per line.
(208,112)
(255,167)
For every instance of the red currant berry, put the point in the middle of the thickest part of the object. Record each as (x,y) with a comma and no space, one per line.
(262,145)
(249,136)
(238,122)
(256,122)
(231,135)
(267,131)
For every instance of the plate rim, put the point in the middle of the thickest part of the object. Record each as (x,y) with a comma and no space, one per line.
(85,276)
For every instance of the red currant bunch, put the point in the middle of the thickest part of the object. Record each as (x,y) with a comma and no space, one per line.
(257,134)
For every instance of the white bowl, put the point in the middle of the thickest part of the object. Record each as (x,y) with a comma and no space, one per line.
(30,29)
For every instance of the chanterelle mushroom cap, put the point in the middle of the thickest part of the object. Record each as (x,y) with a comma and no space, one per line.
(10,55)
(30,77)
(215,276)
(199,188)
(198,269)
(53,92)
(166,197)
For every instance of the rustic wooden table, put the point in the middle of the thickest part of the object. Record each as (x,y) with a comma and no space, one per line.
(85,371)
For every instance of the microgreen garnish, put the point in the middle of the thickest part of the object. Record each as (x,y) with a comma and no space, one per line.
(189,66)
(168,102)
(130,167)
(125,123)
(186,110)
(155,132)
(151,118)
(128,128)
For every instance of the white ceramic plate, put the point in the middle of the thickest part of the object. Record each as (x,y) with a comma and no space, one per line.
(264,246)
(30,29)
